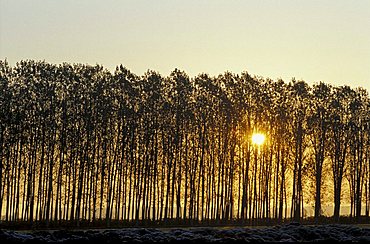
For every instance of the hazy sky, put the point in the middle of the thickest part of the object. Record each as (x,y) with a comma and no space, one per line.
(313,40)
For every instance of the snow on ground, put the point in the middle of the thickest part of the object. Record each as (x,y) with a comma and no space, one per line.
(285,233)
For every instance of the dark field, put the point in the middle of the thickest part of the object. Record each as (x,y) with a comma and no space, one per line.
(293,232)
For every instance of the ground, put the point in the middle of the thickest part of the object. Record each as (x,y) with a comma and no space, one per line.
(293,232)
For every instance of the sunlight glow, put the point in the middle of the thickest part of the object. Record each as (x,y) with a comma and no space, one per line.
(258,138)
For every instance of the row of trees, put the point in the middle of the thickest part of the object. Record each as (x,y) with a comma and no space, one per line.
(80,142)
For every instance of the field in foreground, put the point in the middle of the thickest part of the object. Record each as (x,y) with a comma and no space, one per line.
(293,232)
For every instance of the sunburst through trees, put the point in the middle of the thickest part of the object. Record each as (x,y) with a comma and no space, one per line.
(258,139)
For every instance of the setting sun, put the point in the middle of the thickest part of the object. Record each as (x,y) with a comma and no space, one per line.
(258,138)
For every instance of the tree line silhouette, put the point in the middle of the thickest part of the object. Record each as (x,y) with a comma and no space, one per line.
(81,142)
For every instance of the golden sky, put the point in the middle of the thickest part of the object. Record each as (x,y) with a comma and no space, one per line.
(315,40)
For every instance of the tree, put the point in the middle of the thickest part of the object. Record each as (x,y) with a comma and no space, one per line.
(318,122)
(339,139)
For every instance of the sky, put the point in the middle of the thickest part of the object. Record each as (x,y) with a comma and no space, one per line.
(315,40)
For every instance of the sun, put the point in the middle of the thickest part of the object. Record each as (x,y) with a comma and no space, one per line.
(258,138)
